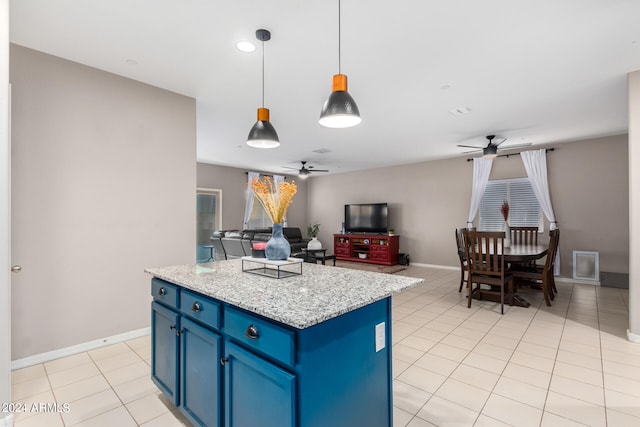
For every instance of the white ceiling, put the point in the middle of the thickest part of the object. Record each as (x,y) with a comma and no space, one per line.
(535,71)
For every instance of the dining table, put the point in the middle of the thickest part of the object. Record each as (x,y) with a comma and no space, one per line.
(519,254)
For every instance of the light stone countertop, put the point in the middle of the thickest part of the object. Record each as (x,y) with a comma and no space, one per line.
(320,293)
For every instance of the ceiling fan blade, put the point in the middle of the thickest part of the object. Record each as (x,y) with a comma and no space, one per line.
(509,147)
(470,146)
(287,167)
(319,170)
(472,151)
(498,143)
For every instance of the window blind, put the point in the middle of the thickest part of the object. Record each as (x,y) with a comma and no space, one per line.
(524,209)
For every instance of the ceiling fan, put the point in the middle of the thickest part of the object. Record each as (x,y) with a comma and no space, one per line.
(491,150)
(305,170)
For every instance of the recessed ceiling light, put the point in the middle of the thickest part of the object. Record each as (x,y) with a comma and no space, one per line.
(445,87)
(245,46)
(131,62)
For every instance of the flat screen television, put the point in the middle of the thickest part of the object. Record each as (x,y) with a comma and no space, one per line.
(366,218)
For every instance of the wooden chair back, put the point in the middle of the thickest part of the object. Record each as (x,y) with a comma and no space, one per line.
(524,235)
(460,243)
(484,251)
(554,239)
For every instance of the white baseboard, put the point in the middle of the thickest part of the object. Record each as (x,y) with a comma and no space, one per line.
(580,282)
(442,267)
(557,279)
(79,348)
(633,337)
(6,421)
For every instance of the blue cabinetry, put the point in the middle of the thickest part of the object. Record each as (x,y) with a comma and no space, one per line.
(257,393)
(164,350)
(200,373)
(225,366)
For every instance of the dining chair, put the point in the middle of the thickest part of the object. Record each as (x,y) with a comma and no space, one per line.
(485,265)
(542,274)
(524,235)
(554,233)
(461,255)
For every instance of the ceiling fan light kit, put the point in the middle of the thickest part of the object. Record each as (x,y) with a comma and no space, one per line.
(491,149)
(305,170)
(339,110)
(263,134)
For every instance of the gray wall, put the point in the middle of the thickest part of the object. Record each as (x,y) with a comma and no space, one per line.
(103,172)
(232,183)
(588,184)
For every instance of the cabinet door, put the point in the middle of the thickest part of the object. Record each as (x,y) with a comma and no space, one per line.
(200,373)
(257,393)
(164,350)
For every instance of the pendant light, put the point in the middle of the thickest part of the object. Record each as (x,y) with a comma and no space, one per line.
(263,134)
(339,110)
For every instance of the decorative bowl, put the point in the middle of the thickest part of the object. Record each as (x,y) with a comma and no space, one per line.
(362,256)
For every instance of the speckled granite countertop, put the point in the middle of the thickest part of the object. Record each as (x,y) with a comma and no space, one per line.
(320,293)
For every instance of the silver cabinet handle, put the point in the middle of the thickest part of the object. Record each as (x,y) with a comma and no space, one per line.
(162,291)
(252,332)
(196,307)
(224,360)
(16,269)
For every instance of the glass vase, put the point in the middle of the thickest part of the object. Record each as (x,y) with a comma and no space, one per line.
(507,234)
(278,247)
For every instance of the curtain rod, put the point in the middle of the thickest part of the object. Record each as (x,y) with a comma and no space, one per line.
(266,174)
(515,154)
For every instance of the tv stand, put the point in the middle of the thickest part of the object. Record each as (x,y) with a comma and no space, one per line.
(368,248)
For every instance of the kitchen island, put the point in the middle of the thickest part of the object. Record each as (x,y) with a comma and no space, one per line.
(238,349)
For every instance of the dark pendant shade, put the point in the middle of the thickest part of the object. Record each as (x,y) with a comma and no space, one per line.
(340,110)
(263,134)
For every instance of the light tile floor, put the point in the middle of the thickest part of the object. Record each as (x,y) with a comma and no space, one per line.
(565,365)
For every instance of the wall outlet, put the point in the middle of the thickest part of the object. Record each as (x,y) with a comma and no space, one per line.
(381,338)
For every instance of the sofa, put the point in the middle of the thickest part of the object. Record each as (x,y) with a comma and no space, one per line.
(236,243)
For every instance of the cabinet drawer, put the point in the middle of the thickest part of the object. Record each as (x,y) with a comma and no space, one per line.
(380,248)
(379,255)
(165,292)
(342,251)
(200,308)
(262,335)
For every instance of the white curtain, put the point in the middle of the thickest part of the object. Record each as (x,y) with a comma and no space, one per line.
(535,163)
(248,201)
(277,179)
(481,171)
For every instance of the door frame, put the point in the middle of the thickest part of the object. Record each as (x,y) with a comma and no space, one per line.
(218,193)
(5,215)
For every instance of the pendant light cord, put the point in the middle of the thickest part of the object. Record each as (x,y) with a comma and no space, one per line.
(262,73)
(339,41)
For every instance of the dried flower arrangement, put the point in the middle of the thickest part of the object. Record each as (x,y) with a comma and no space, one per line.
(505,210)
(274,203)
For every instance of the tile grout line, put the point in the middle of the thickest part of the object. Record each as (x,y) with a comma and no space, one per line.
(564,324)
